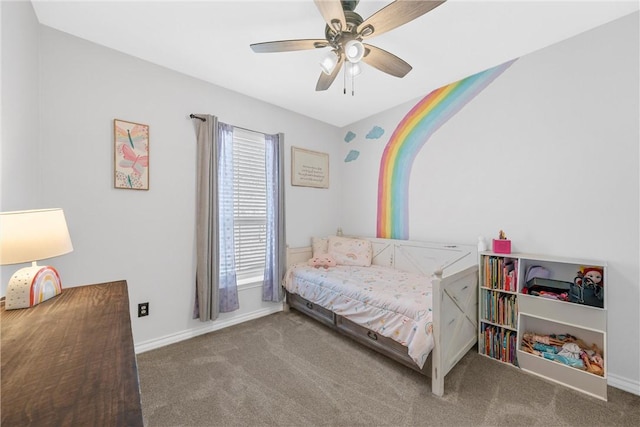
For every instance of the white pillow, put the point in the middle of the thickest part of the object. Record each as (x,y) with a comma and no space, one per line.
(348,251)
(319,246)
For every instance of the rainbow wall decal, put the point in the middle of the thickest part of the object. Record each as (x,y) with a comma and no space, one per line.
(409,137)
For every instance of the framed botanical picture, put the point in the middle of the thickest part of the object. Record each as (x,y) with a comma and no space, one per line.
(131,148)
(309,168)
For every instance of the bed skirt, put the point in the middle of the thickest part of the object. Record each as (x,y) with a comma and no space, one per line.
(367,337)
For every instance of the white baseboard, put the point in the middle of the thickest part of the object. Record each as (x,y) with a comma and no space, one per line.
(624,384)
(208,327)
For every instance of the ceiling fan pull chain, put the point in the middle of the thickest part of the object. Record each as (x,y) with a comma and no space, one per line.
(344,79)
(353,85)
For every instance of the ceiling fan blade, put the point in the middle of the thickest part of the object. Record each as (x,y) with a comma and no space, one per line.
(326,80)
(289,45)
(395,14)
(333,14)
(385,61)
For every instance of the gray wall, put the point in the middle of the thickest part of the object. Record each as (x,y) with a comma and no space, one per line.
(549,153)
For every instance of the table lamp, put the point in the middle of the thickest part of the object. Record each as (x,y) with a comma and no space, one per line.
(29,236)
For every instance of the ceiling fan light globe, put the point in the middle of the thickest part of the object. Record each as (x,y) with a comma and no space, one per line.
(354,51)
(353,69)
(329,62)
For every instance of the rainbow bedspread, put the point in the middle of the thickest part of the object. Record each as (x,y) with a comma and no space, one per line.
(393,303)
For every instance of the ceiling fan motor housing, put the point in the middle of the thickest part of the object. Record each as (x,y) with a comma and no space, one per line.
(349,5)
(336,38)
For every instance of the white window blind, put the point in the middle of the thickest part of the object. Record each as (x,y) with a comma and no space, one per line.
(250,203)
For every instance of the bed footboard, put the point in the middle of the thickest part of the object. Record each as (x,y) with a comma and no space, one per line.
(455,322)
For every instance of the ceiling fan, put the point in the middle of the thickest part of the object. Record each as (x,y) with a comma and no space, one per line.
(344,33)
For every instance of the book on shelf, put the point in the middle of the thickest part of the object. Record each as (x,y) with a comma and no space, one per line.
(510,273)
(500,308)
(500,343)
(500,273)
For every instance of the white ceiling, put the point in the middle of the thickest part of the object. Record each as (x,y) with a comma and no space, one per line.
(210,40)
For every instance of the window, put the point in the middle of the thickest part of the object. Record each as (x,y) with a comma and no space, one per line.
(249,204)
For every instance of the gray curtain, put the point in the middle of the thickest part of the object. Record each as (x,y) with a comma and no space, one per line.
(207,260)
(210,135)
(276,239)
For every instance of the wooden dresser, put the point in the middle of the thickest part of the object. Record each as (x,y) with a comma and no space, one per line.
(71,361)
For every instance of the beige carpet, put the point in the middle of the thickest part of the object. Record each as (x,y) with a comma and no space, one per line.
(288,370)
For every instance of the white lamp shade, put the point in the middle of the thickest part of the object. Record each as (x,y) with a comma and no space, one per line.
(27,236)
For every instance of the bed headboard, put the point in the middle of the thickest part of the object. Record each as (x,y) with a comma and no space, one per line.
(408,255)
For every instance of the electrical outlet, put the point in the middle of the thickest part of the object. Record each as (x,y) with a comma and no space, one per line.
(143,309)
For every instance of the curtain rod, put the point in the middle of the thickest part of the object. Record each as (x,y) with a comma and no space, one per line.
(193,116)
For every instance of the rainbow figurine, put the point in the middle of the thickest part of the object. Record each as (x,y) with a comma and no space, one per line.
(31,286)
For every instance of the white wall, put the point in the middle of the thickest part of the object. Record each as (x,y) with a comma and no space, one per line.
(558,127)
(147,237)
(19,148)
(19,155)
(549,153)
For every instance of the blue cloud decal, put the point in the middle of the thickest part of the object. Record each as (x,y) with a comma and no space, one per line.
(375,133)
(353,154)
(349,136)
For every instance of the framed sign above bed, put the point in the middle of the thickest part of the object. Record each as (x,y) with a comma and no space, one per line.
(309,168)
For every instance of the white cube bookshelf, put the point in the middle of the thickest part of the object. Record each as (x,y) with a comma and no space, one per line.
(541,316)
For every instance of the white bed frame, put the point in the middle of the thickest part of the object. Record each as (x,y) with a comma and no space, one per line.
(455,293)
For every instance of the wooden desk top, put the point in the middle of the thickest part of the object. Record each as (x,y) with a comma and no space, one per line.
(70,360)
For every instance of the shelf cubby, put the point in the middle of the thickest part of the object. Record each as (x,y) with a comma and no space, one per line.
(575,378)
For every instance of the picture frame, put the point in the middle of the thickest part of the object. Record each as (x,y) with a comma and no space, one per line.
(131,155)
(309,168)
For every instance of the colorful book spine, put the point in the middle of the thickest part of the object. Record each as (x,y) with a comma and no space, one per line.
(500,273)
(500,344)
(499,308)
